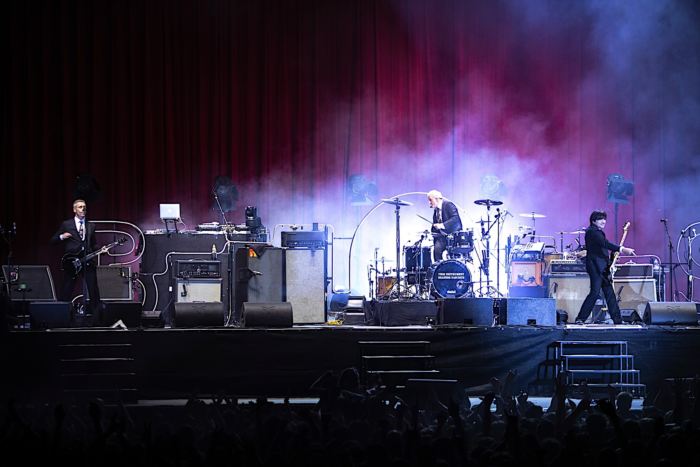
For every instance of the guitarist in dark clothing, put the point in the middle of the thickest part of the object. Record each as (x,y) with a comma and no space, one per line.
(78,238)
(446,220)
(598,250)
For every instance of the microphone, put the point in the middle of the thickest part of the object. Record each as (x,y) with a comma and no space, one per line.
(14,229)
(664,220)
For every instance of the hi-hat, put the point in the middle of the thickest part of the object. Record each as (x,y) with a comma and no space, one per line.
(532,215)
(488,202)
(396,202)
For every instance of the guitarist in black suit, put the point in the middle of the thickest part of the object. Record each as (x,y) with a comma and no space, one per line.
(446,220)
(78,238)
(598,250)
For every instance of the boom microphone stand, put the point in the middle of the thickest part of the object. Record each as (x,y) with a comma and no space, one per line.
(671,265)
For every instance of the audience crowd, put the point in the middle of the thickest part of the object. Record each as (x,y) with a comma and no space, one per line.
(356,425)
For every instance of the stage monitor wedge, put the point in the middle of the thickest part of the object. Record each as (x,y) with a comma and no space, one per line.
(672,313)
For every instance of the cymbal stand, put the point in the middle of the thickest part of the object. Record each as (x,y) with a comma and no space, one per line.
(398,249)
(372,284)
(500,220)
(486,234)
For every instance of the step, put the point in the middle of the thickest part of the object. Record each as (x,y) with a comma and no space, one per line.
(596,357)
(614,385)
(601,361)
(98,381)
(602,372)
(397,362)
(68,351)
(396,377)
(97,365)
(592,342)
(130,395)
(393,347)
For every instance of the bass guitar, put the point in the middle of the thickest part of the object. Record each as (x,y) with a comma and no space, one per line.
(73,264)
(610,269)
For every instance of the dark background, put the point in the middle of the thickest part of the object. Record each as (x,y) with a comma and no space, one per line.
(289,98)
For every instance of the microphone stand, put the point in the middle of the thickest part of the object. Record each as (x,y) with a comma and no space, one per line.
(671,265)
(223,214)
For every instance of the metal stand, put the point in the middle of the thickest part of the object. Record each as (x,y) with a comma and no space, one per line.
(689,295)
(671,264)
(397,203)
(486,255)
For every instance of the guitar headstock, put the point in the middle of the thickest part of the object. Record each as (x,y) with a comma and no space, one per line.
(626,226)
(122,240)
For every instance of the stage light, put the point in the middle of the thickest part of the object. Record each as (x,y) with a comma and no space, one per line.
(619,189)
(491,187)
(360,190)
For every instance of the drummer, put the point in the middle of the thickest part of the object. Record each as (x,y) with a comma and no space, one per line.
(445,221)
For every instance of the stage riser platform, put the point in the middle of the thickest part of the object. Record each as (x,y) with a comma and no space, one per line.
(174,363)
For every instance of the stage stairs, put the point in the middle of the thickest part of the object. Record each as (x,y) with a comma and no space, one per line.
(601,364)
(90,367)
(393,363)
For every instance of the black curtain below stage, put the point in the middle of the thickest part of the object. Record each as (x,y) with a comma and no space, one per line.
(254,362)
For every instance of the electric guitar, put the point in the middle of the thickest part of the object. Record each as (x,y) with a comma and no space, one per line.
(610,269)
(73,264)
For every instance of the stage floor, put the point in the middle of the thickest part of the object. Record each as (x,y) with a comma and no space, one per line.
(176,363)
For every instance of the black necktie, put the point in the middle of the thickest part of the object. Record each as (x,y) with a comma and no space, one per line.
(81,231)
(439,215)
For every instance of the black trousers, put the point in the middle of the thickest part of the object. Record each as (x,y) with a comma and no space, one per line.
(439,246)
(89,275)
(598,283)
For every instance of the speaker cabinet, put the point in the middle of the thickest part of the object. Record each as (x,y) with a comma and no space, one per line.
(529,311)
(685,313)
(30,283)
(634,294)
(199,314)
(267,315)
(50,315)
(569,292)
(468,311)
(158,272)
(306,281)
(114,282)
(128,312)
(260,276)
(198,290)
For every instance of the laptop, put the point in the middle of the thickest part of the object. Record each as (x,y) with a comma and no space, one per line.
(170,212)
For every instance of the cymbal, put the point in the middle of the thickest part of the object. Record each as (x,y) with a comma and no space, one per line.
(488,202)
(532,215)
(396,202)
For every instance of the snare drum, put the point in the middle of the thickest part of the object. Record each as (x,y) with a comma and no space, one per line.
(451,279)
(460,244)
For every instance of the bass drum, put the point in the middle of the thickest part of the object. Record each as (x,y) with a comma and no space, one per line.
(451,279)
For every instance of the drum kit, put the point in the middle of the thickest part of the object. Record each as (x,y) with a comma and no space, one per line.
(423,278)
(467,271)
